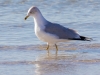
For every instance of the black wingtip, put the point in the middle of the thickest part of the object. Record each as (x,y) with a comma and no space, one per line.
(85,38)
(82,38)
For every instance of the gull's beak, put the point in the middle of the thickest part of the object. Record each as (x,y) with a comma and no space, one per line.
(26,17)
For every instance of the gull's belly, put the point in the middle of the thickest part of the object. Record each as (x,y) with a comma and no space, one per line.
(46,37)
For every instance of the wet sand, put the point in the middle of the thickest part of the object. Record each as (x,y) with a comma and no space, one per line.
(34,60)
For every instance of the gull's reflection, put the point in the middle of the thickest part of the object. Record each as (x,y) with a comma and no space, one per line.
(52,65)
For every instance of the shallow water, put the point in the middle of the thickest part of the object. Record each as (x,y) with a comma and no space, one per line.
(21,53)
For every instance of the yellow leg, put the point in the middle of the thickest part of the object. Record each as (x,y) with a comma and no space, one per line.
(48,49)
(56,49)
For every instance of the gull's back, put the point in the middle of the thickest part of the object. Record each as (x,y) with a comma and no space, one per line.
(60,31)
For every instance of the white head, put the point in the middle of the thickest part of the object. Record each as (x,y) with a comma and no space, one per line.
(38,18)
(32,12)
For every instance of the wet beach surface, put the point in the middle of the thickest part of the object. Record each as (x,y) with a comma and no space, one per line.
(21,53)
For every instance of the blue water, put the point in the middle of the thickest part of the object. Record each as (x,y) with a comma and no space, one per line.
(21,53)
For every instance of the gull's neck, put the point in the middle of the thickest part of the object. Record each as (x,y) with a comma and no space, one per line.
(39,20)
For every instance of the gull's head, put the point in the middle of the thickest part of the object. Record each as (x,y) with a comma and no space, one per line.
(32,11)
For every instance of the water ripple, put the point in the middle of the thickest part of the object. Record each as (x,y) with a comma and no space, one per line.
(61,46)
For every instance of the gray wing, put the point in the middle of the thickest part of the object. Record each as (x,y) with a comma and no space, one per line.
(60,31)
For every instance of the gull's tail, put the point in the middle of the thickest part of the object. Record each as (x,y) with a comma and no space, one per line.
(85,38)
(82,38)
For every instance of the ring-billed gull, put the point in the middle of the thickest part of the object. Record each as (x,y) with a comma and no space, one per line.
(52,32)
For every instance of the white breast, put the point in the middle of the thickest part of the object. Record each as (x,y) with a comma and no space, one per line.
(44,36)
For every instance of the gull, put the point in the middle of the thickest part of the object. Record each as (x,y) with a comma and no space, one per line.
(52,33)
